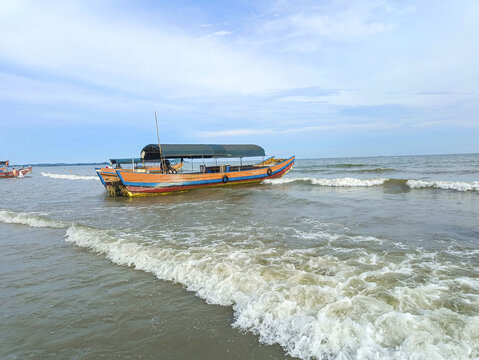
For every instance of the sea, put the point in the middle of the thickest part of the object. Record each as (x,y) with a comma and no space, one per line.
(345,258)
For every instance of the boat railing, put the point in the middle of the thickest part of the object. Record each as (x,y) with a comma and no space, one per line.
(225,168)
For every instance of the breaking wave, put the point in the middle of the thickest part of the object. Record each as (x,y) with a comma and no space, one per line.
(30,219)
(69,176)
(315,305)
(339,182)
(446,185)
(353,182)
(343,303)
(377,170)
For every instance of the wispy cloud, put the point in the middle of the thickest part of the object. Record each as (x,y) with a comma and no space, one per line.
(307,26)
(367,126)
(235,132)
(302,99)
(443,93)
(218,33)
(68,40)
(345,25)
(332,127)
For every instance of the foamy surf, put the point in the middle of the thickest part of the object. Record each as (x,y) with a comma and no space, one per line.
(30,219)
(315,304)
(339,182)
(362,307)
(69,176)
(353,182)
(446,185)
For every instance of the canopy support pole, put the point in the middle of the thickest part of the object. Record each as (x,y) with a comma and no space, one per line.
(159,146)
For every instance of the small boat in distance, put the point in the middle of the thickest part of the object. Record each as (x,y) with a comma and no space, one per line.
(4,173)
(163,179)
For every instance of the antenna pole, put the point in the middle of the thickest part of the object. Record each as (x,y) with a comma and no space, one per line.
(159,145)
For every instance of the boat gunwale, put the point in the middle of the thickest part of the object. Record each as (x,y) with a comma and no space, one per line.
(141,191)
(192,178)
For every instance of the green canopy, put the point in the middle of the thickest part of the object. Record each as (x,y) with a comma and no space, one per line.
(125,161)
(196,151)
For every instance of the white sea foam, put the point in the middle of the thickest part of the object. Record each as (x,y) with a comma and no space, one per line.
(339,182)
(353,182)
(30,219)
(69,176)
(315,306)
(446,185)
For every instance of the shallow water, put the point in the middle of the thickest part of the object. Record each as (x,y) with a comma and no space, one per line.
(342,258)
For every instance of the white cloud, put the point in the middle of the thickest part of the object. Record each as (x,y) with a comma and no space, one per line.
(309,25)
(345,26)
(219,33)
(381,125)
(24,90)
(235,132)
(68,40)
(302,99)
(115,61)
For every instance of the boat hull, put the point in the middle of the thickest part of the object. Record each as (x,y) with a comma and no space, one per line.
(143,184)
(17,173)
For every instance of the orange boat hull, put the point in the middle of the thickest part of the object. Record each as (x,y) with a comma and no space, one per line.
(141,184)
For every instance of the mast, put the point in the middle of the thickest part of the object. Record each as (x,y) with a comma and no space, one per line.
(159,145)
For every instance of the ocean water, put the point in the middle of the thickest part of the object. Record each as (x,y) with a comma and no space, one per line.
(351,258)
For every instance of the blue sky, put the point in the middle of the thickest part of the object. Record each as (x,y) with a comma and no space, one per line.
(80,80)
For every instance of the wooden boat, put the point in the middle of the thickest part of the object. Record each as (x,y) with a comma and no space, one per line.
(141,182)
(4,173)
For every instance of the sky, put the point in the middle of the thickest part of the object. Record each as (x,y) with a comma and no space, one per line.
(80,80)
